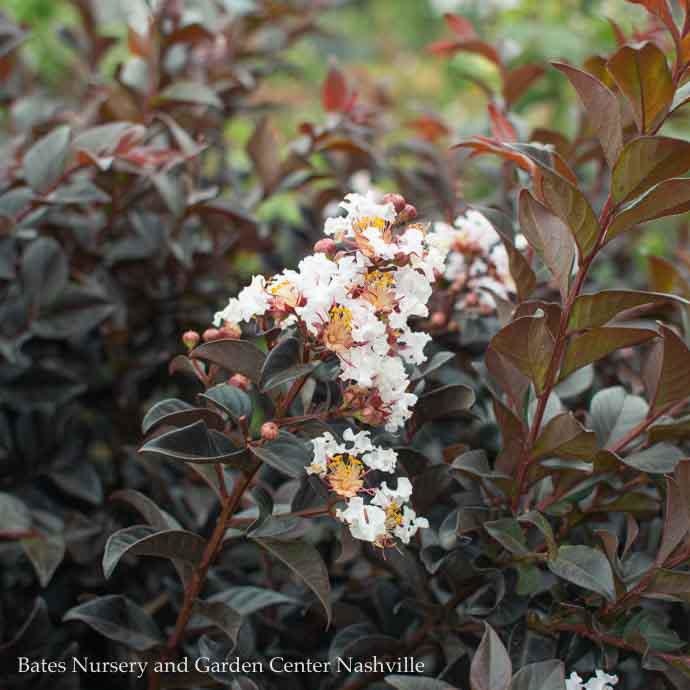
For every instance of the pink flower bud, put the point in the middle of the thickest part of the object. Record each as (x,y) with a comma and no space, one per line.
(408,213)
(191,339)
(398,201)
(326,246)
(438,319)
(230,330)
(269,431)
(211,334)
(240,381)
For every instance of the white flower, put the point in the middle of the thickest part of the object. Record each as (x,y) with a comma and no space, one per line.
(366,522)
(383,459)
(252,301)
(384,496)
(602,681)
(410,525)
(574,682)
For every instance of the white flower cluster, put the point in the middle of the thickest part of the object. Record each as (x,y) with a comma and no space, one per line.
(600,681)
(354,300)
(477,264)
(343,466)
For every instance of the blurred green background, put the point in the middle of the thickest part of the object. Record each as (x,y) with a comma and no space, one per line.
(382,46)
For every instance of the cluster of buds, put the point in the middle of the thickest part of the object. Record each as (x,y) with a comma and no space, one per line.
(376,514)
(477,267)
(353,298)
(600,681)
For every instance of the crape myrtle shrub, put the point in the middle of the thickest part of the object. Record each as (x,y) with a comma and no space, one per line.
(439,439)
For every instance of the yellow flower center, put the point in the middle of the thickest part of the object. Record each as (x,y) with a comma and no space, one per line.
(345,474)
(394,516)
(286,292)
(378,290)
(338,333)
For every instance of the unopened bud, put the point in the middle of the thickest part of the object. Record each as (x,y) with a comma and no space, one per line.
(326,246)
(269,431)
(240,381)
(190,339)
(407,214)
(230,330)
(398,201)
(438,319)
(211,334)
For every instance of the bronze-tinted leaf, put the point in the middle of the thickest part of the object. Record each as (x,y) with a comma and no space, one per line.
(520,270)
(528,344)
(661,9)
(645,162)
(602,108)
(565,437)
(596,343)
(571,206)
(334,93)
(642,74)
(673,383)
(518,80)
(668,198)
(264,150)
(550,238)
(118,618)
(665,277)
(142,540)
(306,562)
(676,521)
(491,668)
(590,311)
(235,356)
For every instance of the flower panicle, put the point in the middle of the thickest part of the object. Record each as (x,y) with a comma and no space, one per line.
(354,300)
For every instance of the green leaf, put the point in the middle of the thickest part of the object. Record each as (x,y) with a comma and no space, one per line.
(508,533)
(615,413)
(491,668)
(230,399)
(550,238)
(235,356)
(565,437)
(645,162)
(676,430)
(287,454)
(602,108)
(661,458)
(585,567)
(306,562)
(597,343)
(643,76)
(544,675)
(669,585)
(118,618)
(45,161)
(443,402)
(528,344)
(668,198)
(142,540)
(191,92)
(197,443)
(571,206)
